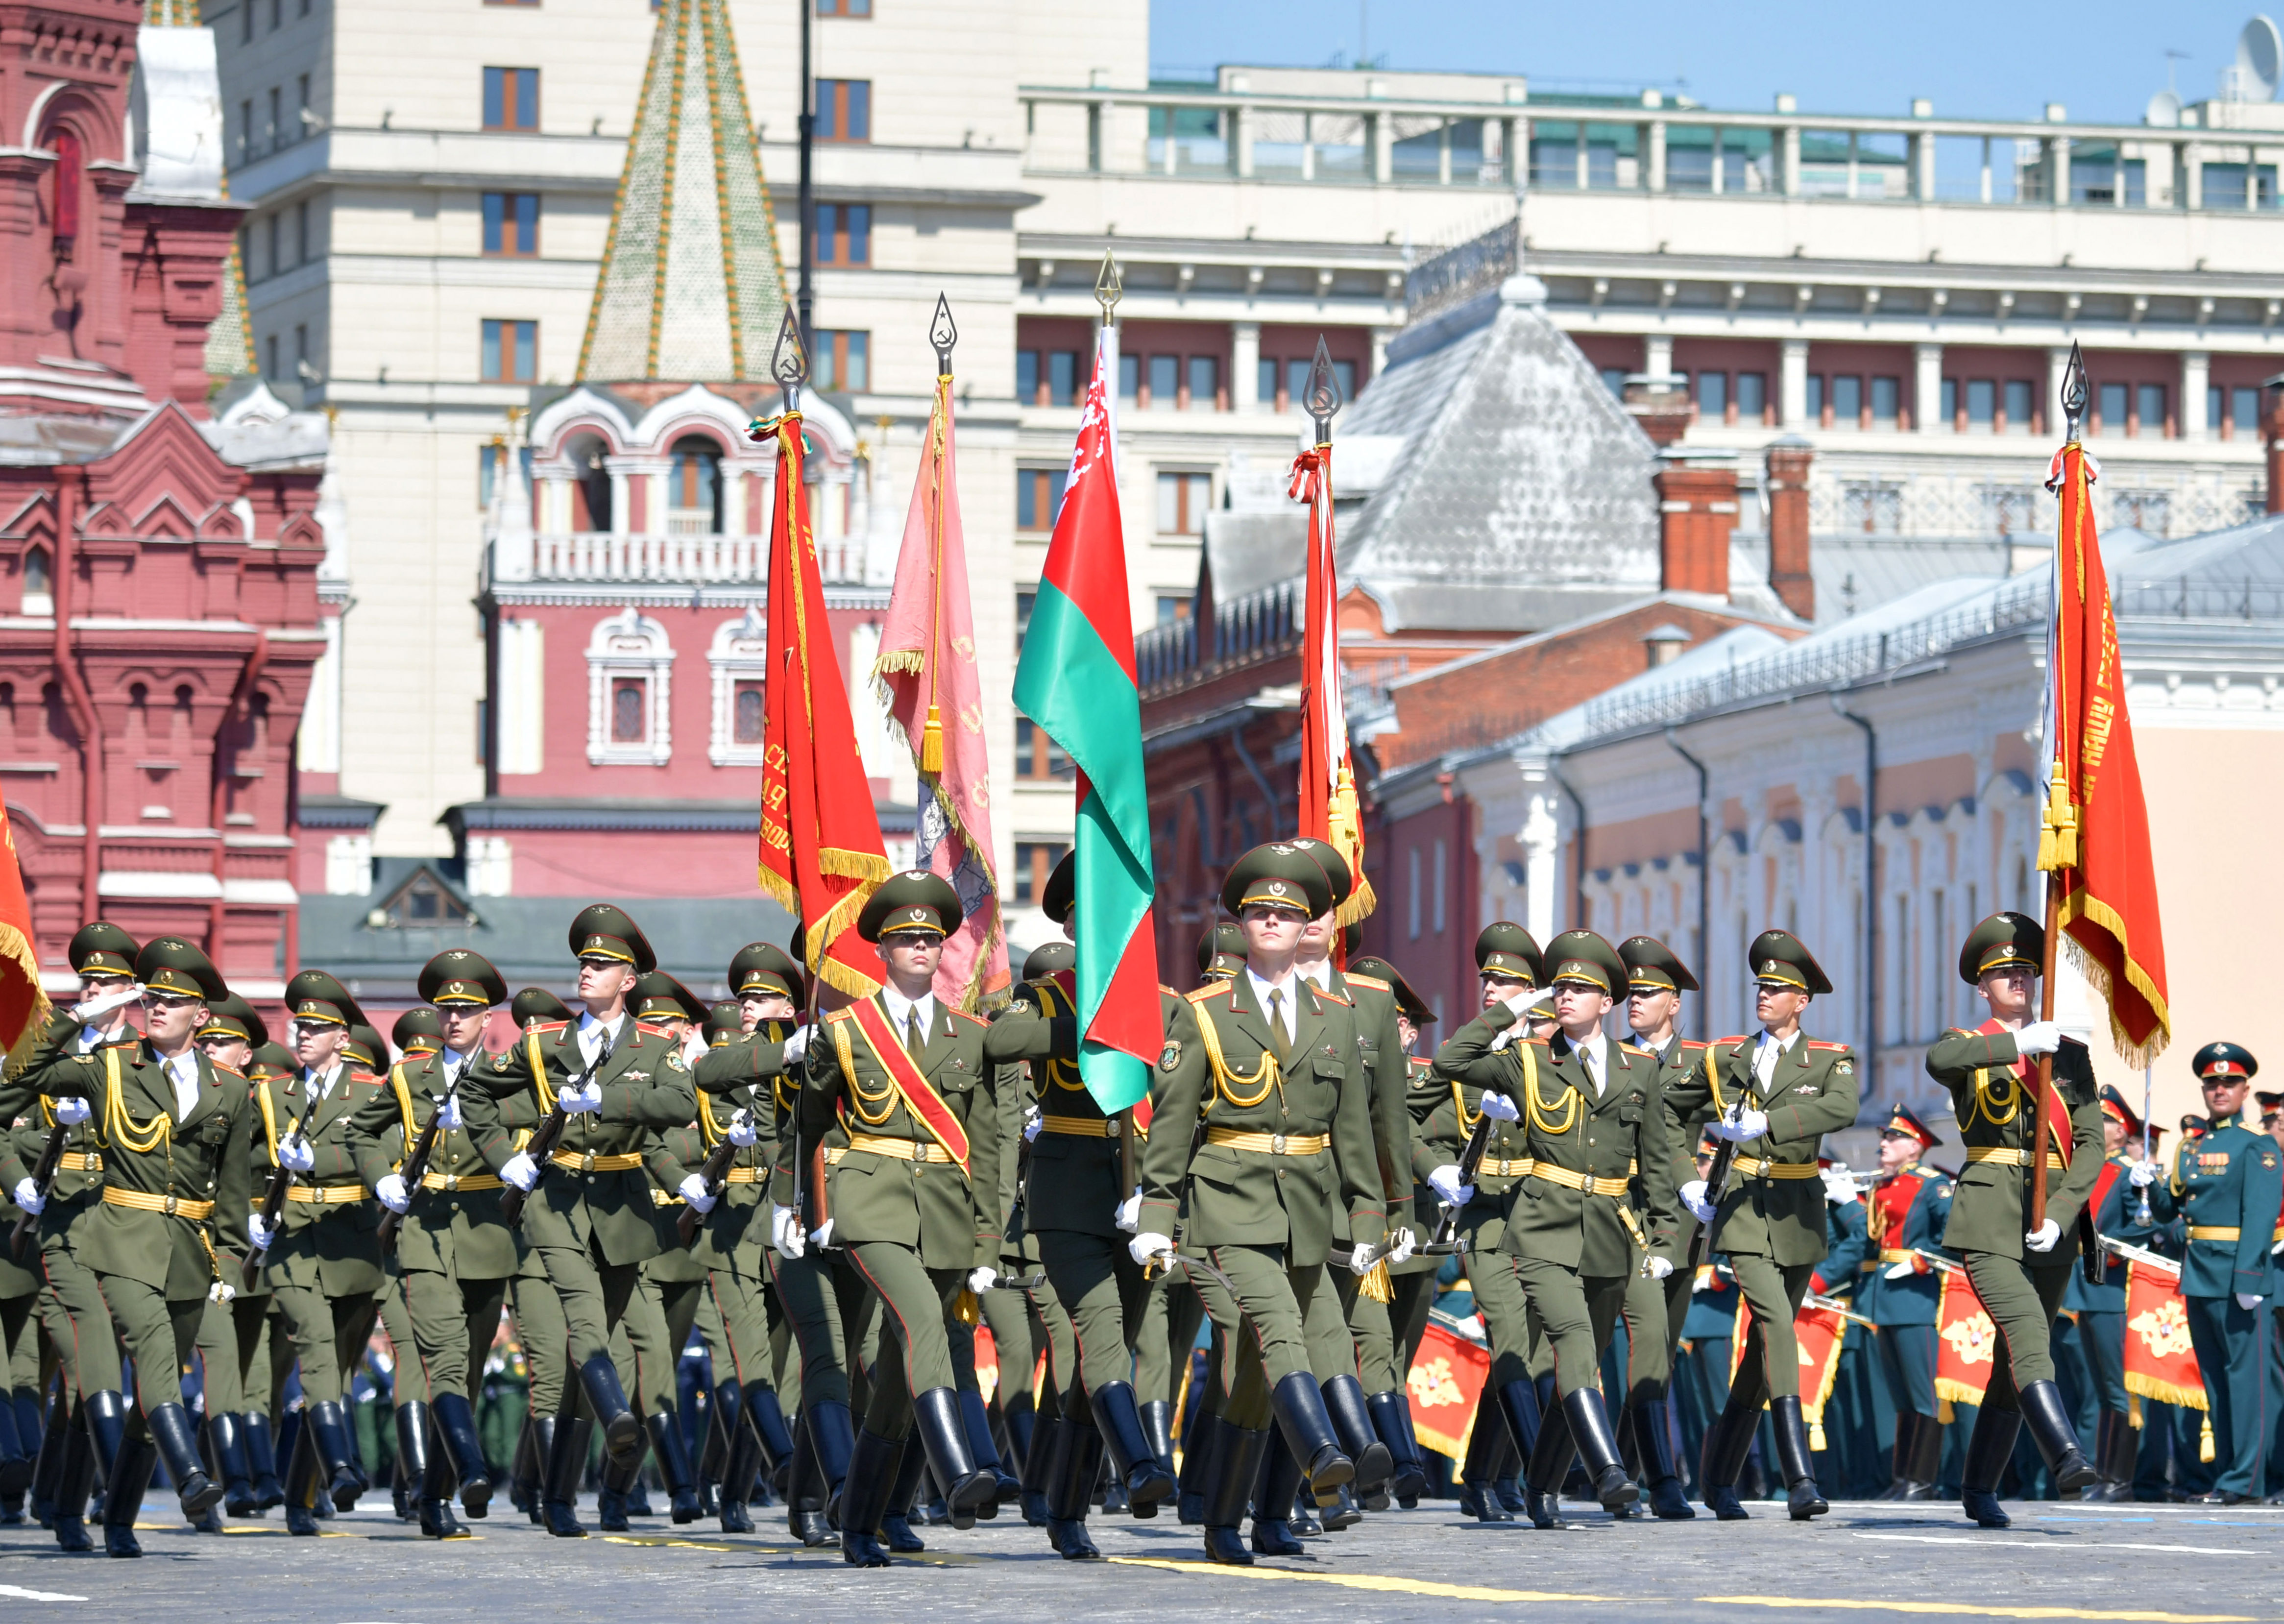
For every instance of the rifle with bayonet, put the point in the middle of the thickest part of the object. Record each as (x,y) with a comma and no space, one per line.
(2141,1254)
(52,1156)
(1448,1241)
(273,1207)
(416,1165)
(548,1135)
(715,1172)
(1716,1180)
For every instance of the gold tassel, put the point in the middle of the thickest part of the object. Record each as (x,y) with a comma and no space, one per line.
(2205,1443)
(1816,1436)
(967,1310)
(2133,1410)
(2058,829)
(1945,1414)
(1375,1284)
(932,741)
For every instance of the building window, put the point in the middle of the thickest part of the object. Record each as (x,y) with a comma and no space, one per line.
(844,362)
(1165,383)
(2109,409)
(844,8)
(301,232)
(511,98)
(511,353)
(277,132)
(1873,508)
(747,719)
(629,664)
(844,233)
(2149,411)
(1039,498)
(511,224)
(1173,606)
(39,582)
(844,110)
(693,487)
(738,661)
(1182,504)
(422,902)
(1037,757)
(246,117)
(1443,887)
(1035,860)
(1412,896)
(1048,377)
(1201,389)
(300,108)
(1752,397)
(1887,402)
(1713,397)
(1025,602)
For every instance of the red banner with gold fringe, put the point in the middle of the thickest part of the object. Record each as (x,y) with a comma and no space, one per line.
(1447,1376)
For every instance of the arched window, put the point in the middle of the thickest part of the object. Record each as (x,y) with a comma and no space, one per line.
(630,661)
(693,487)
(39,582)
(63,217)
(739,659)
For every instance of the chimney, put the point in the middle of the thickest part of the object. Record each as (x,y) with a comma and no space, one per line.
(1787,487)
(2272,430)
(1664,644)
(1660,404)
(1696,510)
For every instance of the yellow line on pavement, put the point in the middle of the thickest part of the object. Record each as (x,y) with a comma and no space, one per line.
(2135,1615)
(1367,1582)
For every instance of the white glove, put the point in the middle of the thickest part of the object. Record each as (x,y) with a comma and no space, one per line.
(2142,1174)
(1498,1108)
(259,1232)
(797,1045)
(693,1190)
(1361,1258)
(981,1279)
(297,1155)
(222,1290)
(1149,1244)
(2247,1299)
(520,1171)
(2042,1237)
(448,1114)
(1897,1271)
(1130,1214)
(742,1130)
(88,1011)
(1444,1181)
(1839,1185)
(72,1111)
(28,1196)
(578,1102)
(1406,1244)
(784,1233)
(1693,1197)
(1746,1124)
(1033,1122)
(1658,1268)
(391,1194)
(1521,1003)
(822,1234)
(2038,1037)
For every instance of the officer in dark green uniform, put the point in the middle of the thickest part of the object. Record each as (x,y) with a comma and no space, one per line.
(912,1073)
(417,1032)
(2226,1186)
(230,1333)
(538,1313)
(1656,980)
(2020,1271)
(1777,1095)
(1900,1290)
(1272,1065)
(1594,1130)
(55,1086)
(590,1212)
(455,1253)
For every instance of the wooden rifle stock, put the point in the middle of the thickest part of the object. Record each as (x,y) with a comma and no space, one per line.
(416,1166)
(715,1170)
(273,1203)
(1717,1185)
(1471,1156)
(546,1136)
(51,1155)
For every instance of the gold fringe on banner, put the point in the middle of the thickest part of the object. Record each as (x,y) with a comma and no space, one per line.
(2164,1392)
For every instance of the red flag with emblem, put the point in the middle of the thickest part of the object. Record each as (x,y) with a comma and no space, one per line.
(1965,1342)
(23,1005)
(2161,1362)
(1447,1376)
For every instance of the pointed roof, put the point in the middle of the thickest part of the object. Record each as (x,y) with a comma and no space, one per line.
(691,287)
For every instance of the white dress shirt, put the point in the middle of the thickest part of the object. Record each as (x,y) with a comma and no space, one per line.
(452,1062)
(594,1033)
(1766,1056)
(1320,972)
(1288,993)
(1595,1052)
(320,1084)
(183,1071)
(901,1010)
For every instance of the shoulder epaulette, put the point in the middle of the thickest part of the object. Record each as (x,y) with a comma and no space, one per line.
(1199,995)
(1373,982)
(1693,1046)
(1820,1043)
(1730,1040)
(648,1030)
(546,1026)
(972,1020)
(846,1011)
(1635,1048)
(1341,999)
(1165,991)
(368,1077)
(230,1071)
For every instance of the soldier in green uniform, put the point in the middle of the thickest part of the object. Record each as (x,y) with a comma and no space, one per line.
(53,1087)
(1272,1065)
(171,1127)
(1510,967)
(231,1333)
(589,1215)
(1900,1290)
(1593,1129)
(2226,1187)
(1655,1308)
(455,1254)
(419,1032)
(1777,1095)
(2020,1270)
(911,1075)
(538,1313)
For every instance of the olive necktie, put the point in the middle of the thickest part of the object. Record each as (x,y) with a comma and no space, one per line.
(915,1039)
(1277,1040)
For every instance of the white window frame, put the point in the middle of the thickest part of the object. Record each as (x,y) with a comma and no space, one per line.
(739,653)
(629,645)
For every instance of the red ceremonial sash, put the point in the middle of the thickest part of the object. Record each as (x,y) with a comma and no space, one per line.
(920,1097)
(2102,1181)
(2058,1116)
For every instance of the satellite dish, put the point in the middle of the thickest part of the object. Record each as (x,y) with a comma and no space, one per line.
(2163,111)
(2259,60)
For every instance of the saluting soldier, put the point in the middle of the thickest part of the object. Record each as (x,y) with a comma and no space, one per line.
(61,1075)
(910,1073)
(455,1254)
(1655,1308)
(2018,1271)
(1899,1292)
(1776,1095)
(2226,1187)
(1271,1065)
(590,1213)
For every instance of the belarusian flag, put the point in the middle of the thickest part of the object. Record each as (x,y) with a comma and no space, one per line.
(1076,680)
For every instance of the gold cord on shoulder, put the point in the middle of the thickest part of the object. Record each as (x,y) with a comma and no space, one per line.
(1227,1080)
(119,1126)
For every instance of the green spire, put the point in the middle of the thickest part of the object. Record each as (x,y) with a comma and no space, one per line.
(691,288)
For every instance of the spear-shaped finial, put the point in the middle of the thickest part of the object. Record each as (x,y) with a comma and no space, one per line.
(1324,392)
(788,363)
(943,333)
(1109,287)
(2074,392)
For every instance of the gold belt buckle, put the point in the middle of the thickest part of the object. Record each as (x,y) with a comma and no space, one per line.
(169,1208)
(1110,1127)
(1588,1187)
(587,1162)
(1277,1145)
(451,1181)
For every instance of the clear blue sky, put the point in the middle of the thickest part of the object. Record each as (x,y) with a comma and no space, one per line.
(1977,59)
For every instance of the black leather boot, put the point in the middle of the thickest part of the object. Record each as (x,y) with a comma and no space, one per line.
(1133,1458)
(105,1415)
(74,1480)
(1486,1441)
(122,1499)
(1230,1475)
(944,1434)
(1189,1504)
(673,1452)
(613,1485)
(436,1519)
(904,1492)
(17,1453)
(871,1477)
(48,1471)
(1038,1470)
(328,1426)
(1803,1499)
(1077,1461)
(1018,1416)
(1654,1439)
(1352,1420)
(1927,1458)
(301,1484)
(455,1420)
(765,1419)
(1988,1451)
(261,1462)
(2121,1458)
(226,1444)
(411,1469)
(1899,1463)
(740,1470)
(1158,1427)
(2056,1437)
(833,1439)
(1549,1465)
(725,1413)
(1342,1510)
(566,1462)
(1279,1481)
(623,1432)
(520,1472)
(1308,1429)
(1727,1441)
(173,1437)
(805,1492)
(975,1422)
(1407,1481)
